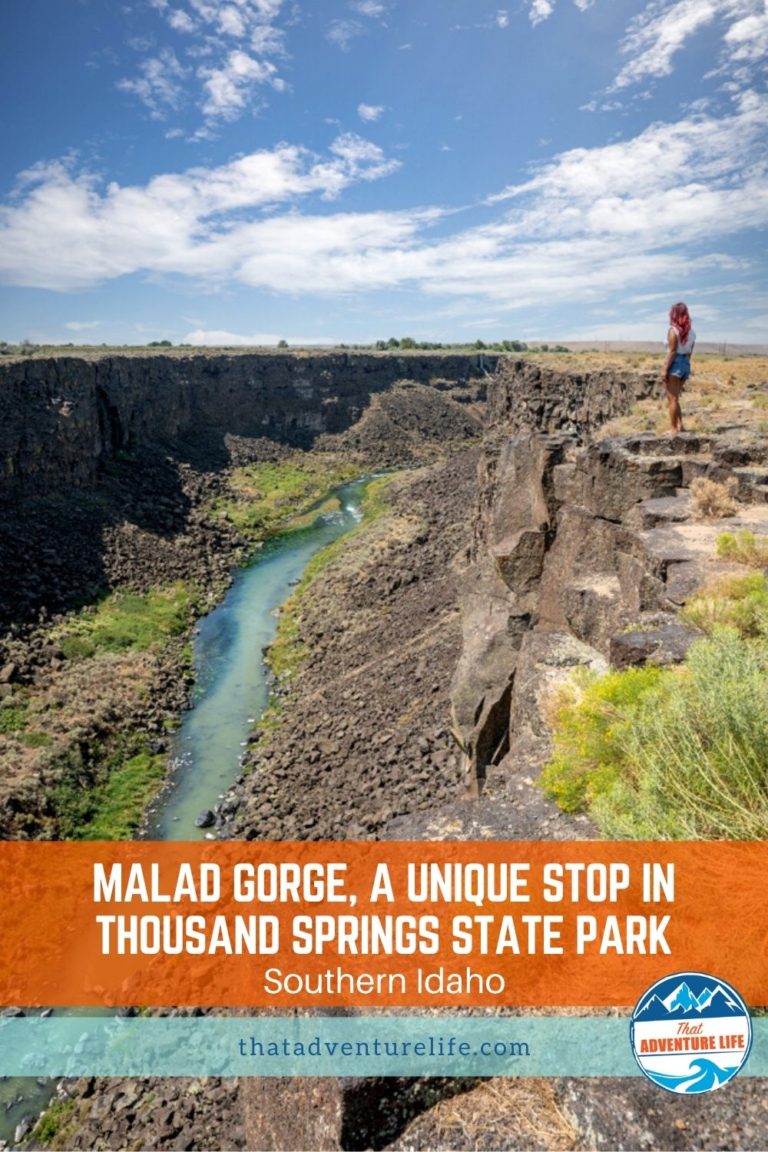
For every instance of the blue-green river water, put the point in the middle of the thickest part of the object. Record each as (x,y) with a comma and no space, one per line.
(231,682)
(231,692)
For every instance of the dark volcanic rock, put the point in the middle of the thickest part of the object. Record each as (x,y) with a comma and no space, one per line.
(666,643)
(115,1114)
(526,395)
(364,735)
(60,420)
(634,1116)
(325,1114)
(403,422)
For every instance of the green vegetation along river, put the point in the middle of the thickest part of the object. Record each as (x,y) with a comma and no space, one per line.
(231,678)
(232,691)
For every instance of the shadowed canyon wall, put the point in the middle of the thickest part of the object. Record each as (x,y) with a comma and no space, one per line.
(61,419)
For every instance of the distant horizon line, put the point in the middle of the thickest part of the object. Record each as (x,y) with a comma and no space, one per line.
(552,345)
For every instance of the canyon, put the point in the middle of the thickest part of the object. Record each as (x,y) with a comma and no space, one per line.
(516,544)
(61,419)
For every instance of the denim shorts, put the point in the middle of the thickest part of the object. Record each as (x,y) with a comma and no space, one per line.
(681,366)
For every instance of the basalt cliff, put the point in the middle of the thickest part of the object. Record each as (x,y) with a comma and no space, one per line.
(518,545)
(61,420)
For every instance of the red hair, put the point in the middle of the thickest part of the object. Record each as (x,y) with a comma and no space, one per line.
(680,320)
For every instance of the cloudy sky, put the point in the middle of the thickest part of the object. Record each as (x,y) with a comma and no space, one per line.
(241,171)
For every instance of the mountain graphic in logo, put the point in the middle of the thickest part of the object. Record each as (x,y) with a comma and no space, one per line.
(690,1033)
(683,1004)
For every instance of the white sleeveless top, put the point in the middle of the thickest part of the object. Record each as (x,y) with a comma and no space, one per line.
(687,348)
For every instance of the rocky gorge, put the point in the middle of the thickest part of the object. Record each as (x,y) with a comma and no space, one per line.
(91,505)
(518,545)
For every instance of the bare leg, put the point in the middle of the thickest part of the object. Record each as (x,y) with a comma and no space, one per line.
(674,388)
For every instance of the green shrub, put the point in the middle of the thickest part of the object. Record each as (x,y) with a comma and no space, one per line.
(589,715)
(287,651)
(122,799)
(267,497)
(108,803)
(127,620)
(684,757)
(35,739)
(77,647)
(697,759)
(739,602)
(12,719)
(55,1124)
(744,547)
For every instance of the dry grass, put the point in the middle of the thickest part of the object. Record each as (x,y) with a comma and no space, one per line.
(500,1114)
(711,500)
(79,696)
(721,392)
(744,548)
(739,602)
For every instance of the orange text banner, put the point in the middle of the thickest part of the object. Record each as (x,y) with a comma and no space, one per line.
(279,924)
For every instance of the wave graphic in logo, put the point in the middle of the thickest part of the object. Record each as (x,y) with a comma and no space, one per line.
(702,1076)
(691,1033)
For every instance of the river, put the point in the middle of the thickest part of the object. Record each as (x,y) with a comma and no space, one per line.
(231,692)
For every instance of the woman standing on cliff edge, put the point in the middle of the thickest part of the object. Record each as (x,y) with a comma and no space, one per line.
(680,341)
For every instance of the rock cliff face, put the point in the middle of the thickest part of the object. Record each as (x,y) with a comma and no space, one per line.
(146,516)
(570,541)
(577,540)
(525,395)
(536,418)
(60,419)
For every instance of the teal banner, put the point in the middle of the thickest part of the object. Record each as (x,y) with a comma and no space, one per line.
(328,1046)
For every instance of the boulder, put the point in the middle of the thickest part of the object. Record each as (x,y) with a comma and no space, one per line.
(666,643)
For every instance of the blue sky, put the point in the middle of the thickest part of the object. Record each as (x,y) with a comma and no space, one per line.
(241,171)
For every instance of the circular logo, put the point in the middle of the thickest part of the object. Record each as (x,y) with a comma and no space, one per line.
(691,1033)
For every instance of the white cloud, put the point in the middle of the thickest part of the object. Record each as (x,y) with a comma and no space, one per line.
(266,40)
(658,33)
(343,32)
(81,325)
(540,10)
(371,8)
(159,85)
(362,158)
(705,149)
(231,21)
(267,9)
(62,232)
(664,27)
(370,111)
(591,226)
(502,18)
(218,338)
(232,18)
(228,88)
(239,41)
(747,38)
(181,21)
